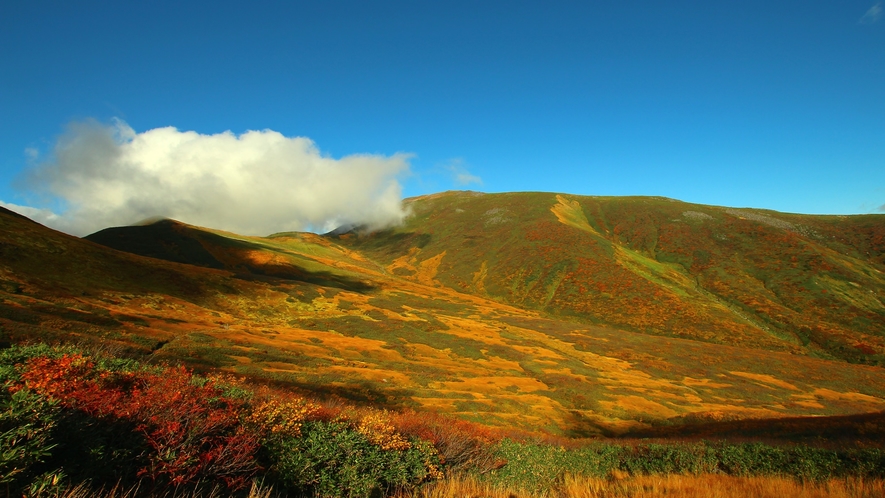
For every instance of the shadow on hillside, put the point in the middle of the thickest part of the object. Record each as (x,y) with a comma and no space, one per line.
(579,426)
(390,398)
(866,429)
(165,239)
(275,272)
(385,241)
(173,241)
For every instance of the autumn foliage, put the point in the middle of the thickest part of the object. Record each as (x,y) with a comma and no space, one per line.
(68,420)
(180,430)
(192,429)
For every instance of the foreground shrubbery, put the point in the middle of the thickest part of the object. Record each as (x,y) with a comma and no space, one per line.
(74,421)
(540,466)
(67,418)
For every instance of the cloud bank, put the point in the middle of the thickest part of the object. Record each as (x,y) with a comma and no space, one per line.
(256,183)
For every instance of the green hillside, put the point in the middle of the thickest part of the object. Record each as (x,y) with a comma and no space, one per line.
(783,282)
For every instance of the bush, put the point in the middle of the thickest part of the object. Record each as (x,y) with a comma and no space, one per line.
(751,459)
(26,424)
(538,466)
(669,459)
(333,459)
(176,431)
(461,445)
(68,418)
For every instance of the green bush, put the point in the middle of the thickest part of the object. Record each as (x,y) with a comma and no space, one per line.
(331,459)
(669,459)
(26,424)
(539,466)
(751,459)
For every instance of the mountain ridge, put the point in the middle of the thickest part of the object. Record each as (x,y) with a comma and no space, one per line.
(631,251)
(407,318)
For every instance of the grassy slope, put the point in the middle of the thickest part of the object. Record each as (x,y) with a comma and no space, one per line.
(794,283)
(386,319)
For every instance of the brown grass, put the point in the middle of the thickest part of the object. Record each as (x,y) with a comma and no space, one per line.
(672,486)
(84,491)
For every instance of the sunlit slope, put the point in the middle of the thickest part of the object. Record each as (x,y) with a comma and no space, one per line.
(334,321)
(795,283)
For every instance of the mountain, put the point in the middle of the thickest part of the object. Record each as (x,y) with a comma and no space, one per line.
(533,311)
(783,282)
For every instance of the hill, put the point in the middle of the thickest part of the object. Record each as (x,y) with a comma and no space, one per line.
(439,314)
(796,283)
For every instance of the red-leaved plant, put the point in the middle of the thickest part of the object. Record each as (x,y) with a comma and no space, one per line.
(192,428)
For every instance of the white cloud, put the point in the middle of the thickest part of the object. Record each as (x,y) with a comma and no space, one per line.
(460,174)
(872,15)
(42,216)
(256,183)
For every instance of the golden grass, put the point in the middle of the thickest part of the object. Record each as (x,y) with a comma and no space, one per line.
(671,486)
(428,269)
(638,404)
(766,379)
(572,214)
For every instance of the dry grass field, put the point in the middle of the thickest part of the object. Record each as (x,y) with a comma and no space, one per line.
(672,486)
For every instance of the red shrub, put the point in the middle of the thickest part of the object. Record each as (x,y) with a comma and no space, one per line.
(193,430)
(57,378)
(460,444)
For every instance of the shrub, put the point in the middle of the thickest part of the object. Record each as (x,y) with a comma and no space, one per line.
(26,423)
(461,445)
(192,432)
(750,459)
(332,459)
(280,417)
(377,428)
(669,459)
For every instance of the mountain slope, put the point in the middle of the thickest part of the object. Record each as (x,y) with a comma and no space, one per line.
(314,313)
(795,283)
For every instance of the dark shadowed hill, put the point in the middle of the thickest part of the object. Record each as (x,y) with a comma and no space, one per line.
(163,239)
(178,242)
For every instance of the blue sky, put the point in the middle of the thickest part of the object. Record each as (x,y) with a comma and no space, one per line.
(775,105)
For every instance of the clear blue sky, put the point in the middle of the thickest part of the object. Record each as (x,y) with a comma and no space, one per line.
(770,104)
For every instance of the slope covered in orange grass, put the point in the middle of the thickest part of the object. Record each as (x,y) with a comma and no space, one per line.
(528,311)
(810,285)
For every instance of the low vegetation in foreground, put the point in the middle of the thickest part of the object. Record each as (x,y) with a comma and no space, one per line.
(80,424)
(671,485)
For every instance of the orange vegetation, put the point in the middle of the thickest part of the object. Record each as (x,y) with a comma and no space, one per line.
(672,486)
